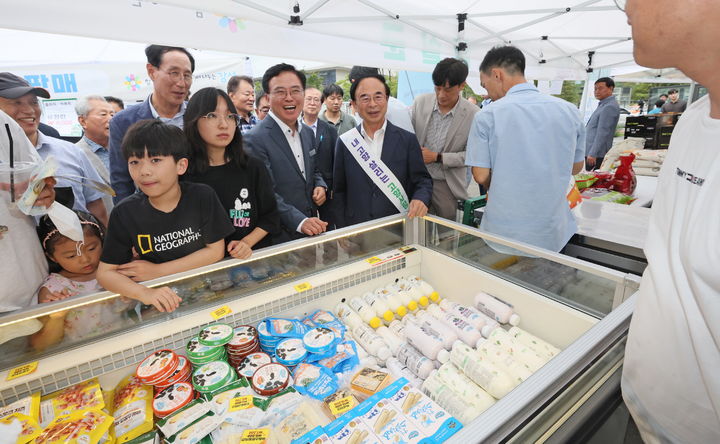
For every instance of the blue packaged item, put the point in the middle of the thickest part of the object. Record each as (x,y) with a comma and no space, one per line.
(316,435)
(290,352)
(320,340)
(286,328)
(315,381)
(344,360)
(323,318)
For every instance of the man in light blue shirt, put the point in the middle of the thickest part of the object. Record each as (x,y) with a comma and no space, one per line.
(602,123)
(524,148)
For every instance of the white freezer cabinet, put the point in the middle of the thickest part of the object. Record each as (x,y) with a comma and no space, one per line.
(577,306)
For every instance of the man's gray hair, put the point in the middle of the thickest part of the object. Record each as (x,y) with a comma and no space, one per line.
(82,107)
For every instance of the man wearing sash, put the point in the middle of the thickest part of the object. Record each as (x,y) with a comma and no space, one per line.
(378,169)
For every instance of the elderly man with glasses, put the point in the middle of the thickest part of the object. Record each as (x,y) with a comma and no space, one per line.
(171,70)
(379,168)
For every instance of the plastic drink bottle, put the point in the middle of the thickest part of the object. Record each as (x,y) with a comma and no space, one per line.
(426,340)
(497,309)
(497,356)
(393,341)
(442,330)
(466,332)
(371,342)
(468,390)
(446,398)
(418,364)
(400,371)
(378,304)
(392,302)
(483,372)
(523,354)
(470,315)
(367,314)
(426,289)
(539,346)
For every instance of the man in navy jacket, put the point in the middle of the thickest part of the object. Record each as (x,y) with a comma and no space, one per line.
(356,197)
(171,70)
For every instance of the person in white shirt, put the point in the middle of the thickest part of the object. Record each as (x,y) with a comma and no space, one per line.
(671,376)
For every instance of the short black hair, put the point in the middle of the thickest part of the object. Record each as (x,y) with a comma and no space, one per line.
(664,95)
(119,102)
(673,90)
(258,96)
(234,82)
(154,54)
(380,77)
(278,69)
(357,72)
(154,138)
(202,103)
(450,71)
(610,83)
(659,103)
(332,89)
(506,57)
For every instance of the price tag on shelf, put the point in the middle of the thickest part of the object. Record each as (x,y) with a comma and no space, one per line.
(241,403)
(373,260)
(305,286)
(342,405)
(251,436)
(23,370)
(385,258)
(221,312)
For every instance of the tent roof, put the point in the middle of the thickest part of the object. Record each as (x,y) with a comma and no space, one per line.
(398,34)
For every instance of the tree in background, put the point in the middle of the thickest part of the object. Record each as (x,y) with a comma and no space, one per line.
(314,81)
(572,91)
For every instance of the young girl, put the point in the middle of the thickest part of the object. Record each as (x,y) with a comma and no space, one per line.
(73,266)
(241,182)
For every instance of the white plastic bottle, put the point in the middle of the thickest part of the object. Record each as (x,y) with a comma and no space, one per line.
(464,331)
(410,292)
(497,309)
(522,353)
(426,340)
(392,302)
(393,341)
(426,289)
(398,370)
(505,361)
(398,328)
(378,304)
(470,315)
(371,342)
(414,292)
(437,390)
(539,346)
(367,314)
(418,364)
(483,372)
(468,390)
(347,315)
(403,296)
(442,330)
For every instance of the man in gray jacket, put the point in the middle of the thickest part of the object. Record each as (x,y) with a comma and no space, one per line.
(601,126)
(442,123)
(94,114)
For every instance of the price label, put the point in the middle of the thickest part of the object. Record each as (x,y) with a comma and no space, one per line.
(254,436)
(342,405)
(23,370)
(221,312)
(305,286)
(373,260)
(241,403)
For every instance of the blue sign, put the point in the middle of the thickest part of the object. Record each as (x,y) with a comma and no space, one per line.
(57,83)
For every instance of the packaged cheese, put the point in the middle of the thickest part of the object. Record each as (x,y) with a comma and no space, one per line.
(28,427)
(29,406)
(369,381)
(195,432)
(131,409)
(182,418)
(298,423)
(78,398)
(82,427)
(436,424)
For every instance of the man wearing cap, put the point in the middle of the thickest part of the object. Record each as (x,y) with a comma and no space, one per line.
(674,104)
(171,70)
(20,101)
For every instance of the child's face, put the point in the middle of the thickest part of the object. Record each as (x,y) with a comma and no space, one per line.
(65,254)
(156,175)
(217,132)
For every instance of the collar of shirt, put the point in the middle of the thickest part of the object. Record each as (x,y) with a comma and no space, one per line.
(376,142)
(251,120)
(450,113)
(313,126)
(42,140)
(522,87)
(172,120)
(607,99)
(284,127)
(94,145)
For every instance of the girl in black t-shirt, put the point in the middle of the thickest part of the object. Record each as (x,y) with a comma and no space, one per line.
(241,182)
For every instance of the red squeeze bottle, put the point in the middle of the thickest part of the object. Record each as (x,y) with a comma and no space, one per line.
(624,180)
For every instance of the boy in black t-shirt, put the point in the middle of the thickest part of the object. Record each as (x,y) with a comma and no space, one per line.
(173,227)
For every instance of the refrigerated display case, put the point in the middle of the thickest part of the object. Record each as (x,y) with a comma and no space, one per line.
(580,307)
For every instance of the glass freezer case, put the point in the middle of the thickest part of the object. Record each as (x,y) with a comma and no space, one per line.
(580,307)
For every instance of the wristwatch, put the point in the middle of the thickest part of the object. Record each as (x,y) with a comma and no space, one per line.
(439,158)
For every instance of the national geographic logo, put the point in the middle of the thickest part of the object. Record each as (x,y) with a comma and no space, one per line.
(168,241)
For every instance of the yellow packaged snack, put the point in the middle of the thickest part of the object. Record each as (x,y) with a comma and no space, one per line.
(131,409)
(30,427)
(87,427)
(29,406)
(80,397)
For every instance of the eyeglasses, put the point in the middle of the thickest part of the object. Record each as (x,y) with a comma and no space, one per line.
(378,98)
(294,92)
(176,76)
(621,4)
(215,118)
(312,99)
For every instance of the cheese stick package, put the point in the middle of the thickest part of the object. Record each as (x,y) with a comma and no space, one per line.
(196,431)
(298,423)
(237,404)
(78,398)
(82,427)
(434,422)
(349,429)
(131,409)
(388,424)
(182,418)
(314,436)
(28,427)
